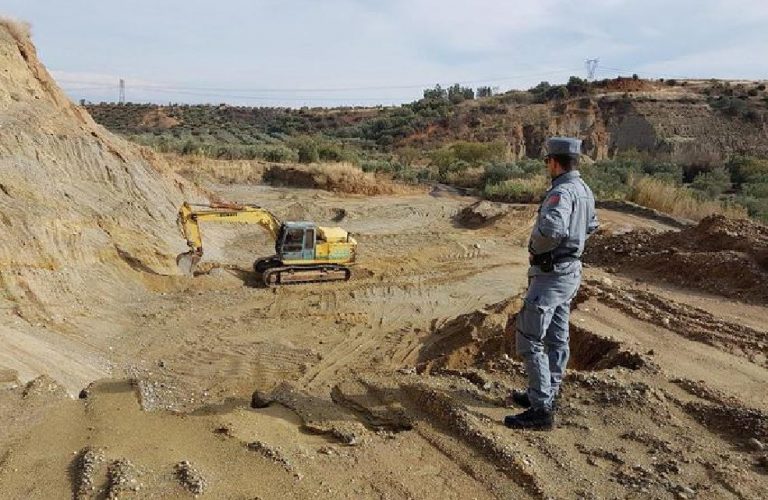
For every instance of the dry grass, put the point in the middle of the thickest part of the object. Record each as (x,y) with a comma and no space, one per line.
(204,170)
(336,177)
(681,202)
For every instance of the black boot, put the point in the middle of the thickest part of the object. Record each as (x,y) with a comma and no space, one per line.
(537,419)
(519,398)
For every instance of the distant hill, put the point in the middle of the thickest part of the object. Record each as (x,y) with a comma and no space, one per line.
(688,122)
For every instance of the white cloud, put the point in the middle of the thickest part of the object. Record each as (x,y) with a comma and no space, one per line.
(298,44)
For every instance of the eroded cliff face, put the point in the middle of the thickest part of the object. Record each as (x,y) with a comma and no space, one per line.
(679,125)
(86,218)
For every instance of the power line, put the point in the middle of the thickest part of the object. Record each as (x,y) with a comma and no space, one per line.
(323,89)
(646,73)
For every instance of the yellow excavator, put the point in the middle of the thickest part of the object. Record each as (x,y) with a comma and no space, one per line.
(304,251)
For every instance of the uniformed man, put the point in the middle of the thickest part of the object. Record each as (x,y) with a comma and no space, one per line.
(566,218)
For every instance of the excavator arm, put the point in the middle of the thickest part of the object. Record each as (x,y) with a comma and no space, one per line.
(190,217)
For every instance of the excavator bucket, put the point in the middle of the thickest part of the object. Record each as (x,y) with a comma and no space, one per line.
(187,262)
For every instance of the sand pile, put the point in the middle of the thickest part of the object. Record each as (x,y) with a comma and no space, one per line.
(482,338)
(488,213)
(336,177)
(720,255)
(470,339)
(86,218)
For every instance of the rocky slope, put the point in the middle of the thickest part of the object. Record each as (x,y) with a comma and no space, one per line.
(87,219)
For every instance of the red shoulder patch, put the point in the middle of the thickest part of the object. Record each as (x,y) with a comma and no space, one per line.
(553,200)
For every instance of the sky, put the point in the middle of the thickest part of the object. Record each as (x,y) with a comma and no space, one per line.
(367,52)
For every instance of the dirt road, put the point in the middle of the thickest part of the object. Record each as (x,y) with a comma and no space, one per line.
(389,385)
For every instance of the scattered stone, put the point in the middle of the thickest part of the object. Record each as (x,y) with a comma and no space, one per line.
(270,453)
(122,478)
(86,465)
(756,445)
(260,399)
(190,477)
(43,386)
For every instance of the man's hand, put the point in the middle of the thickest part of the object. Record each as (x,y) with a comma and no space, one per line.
(530,258)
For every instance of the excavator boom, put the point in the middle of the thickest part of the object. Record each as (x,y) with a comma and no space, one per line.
(189,219)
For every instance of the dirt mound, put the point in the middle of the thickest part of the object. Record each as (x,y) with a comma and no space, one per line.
(720,255)
(86,218)
(467,339)
(336,177)
(485,336)
(486,213)
(158,118)
(628,85)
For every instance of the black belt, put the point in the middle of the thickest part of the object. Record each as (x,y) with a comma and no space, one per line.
(546,261)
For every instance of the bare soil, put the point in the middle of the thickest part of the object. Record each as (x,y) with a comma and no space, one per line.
(121,379)
(392,385)
(719,255)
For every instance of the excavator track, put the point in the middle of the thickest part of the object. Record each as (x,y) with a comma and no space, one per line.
(291,275)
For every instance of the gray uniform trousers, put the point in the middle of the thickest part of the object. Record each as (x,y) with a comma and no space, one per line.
(542,333)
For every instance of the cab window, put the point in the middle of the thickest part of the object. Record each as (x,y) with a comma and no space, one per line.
(293,240)
(309,239)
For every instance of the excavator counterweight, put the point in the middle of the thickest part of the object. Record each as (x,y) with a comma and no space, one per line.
(304,251)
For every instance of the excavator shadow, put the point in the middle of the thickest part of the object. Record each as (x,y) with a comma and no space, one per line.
(249,278)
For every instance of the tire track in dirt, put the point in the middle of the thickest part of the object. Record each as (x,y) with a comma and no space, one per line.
(685,320)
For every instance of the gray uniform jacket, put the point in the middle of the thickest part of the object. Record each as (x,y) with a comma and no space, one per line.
(566,218)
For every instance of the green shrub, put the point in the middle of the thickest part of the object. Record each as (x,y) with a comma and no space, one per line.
(471,153)
(712,183)
(278,154)
(306,149)
(531,166)
(479,152)
(410,175)
(381,166)
(757,206)
(671,173)
(452,168)
(756,190)
(747,169)
(609,179)
(530,190)
(498,172)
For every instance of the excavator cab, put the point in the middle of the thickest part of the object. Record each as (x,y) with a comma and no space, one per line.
(296,241)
